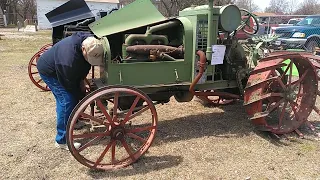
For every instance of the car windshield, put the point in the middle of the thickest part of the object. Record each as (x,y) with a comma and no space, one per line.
(293,22)
(310,21)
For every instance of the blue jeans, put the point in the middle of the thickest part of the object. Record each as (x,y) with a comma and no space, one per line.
(65,102)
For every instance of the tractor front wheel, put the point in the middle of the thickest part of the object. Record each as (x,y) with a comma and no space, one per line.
(116,137)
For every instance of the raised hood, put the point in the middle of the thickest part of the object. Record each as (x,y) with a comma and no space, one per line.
(71,11)
(137,14)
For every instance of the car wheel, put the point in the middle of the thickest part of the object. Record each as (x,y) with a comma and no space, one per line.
(312,45)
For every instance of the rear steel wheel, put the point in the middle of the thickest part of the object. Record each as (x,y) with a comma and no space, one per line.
(278,103)
(119,136)
(316,64)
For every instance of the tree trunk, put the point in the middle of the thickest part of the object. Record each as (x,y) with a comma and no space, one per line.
(15,17)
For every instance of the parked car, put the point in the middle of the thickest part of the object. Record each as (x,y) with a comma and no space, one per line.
(303,35)
(291,22)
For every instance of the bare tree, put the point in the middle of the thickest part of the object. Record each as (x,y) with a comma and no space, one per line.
(309,7)
(248,5)
(23,8)
(10,6)
(222,2)
(292,4)
(277,6)
(172,7)
(26,7)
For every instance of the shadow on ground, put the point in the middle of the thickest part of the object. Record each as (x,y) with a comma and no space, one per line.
(220,124)
(293,137)
(142,166)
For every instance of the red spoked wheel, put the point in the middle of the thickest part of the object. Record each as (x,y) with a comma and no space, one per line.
(34,75)
(119,136)
(281,102)
(33,71)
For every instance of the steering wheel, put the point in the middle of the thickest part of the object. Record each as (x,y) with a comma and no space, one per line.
(246,23)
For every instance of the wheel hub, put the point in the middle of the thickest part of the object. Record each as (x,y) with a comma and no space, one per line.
(290,95)
(117,133)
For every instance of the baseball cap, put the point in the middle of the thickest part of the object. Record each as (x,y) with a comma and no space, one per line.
(94,50)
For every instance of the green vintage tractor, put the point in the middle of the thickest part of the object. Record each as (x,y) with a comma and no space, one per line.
(150,58)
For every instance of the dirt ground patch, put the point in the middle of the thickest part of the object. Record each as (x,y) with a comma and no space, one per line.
(192,142)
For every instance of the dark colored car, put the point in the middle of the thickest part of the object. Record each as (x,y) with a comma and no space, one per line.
(303,35)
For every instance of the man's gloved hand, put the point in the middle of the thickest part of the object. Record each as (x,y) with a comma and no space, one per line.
(83,87)
(82,92)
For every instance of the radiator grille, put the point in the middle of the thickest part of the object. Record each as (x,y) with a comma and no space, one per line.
(202,30)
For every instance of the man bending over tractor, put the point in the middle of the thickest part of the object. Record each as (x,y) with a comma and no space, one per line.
(63,68)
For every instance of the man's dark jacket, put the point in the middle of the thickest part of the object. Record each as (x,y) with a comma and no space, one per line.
(65,62)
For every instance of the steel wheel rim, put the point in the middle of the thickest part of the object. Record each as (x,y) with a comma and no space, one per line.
(32,64)
(45,47)
(301,104)
(112,132)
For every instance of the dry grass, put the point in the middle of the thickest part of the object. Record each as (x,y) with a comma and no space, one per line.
(192,142)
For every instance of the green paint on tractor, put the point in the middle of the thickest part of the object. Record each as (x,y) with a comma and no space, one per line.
(295,71)
(191,31)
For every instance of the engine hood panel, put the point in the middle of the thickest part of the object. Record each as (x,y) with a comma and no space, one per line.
(68,12)
(137,14)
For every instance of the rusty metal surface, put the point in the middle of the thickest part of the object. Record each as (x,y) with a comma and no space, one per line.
(278,94)
(155,50)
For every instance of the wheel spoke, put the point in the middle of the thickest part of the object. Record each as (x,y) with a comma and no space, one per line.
(141,110)
(290,75)
(39,81)
(100,121)
(89,143)
(134,104)
(35,73)
(281,83)
(89,135)
(295,83)
(113,153)
(103,110)
(103,154)
(272,108)
(115,107)
(287,69)
(126,146)
(140,129)
(136,137)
